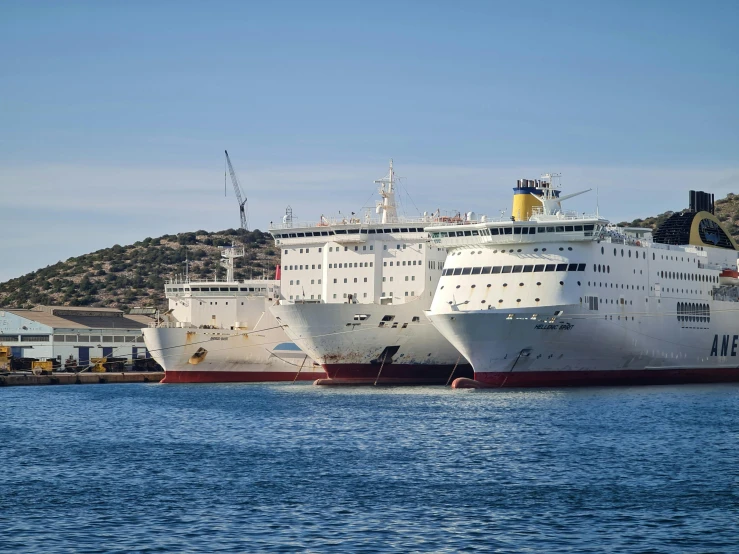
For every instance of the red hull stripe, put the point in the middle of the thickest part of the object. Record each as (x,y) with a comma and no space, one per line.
(238,376)
(612,377)
(431,374)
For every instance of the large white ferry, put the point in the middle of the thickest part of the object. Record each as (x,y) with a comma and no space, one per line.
(354,291)
(222,331)
(555,298)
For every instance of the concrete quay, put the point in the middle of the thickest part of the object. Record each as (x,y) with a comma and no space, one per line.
(86,378)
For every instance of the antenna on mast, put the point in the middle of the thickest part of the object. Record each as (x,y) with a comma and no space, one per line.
(387,206)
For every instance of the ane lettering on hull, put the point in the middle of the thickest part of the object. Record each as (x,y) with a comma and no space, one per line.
(726,342)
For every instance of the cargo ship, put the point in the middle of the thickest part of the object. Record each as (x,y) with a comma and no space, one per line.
(218,331)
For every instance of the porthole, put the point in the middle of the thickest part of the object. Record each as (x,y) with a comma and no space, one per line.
(578,283)
(561,282)
(520,284)
(479,251)
(569,248)
(536,249)
(536,299)
(538,284)
(602,250)
(614,251)
(543,249)
(518,250)
(489,285)
(458,286)
(473,286)
(560,248)
(500,301)
(482,301)
(505,284)
(442,287)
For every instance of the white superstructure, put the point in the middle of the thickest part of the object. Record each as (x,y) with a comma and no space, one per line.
(559,298)
(354,289)
(223,331)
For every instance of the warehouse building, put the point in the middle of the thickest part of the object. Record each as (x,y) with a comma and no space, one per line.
(72,335)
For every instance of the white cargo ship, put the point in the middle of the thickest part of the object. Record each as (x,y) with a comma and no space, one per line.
(557,298)
(222,331)
(354,290)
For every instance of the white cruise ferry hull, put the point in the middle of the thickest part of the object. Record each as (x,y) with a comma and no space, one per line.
(190,355)
(512,349)
(367,343)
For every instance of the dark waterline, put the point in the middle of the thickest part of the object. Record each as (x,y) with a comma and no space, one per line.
(286,468)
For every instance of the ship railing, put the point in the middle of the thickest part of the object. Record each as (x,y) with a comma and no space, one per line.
(189,281)
(428,220)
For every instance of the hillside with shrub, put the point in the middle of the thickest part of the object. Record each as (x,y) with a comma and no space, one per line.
(134,275)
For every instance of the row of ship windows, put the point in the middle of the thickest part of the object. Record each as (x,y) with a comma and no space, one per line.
(515,231)
(216,289)
(356,248)
(350,296)
(688,276)
(73,338)
(346,265)
(511,269)
(689,311)
(334,232)
(313,281)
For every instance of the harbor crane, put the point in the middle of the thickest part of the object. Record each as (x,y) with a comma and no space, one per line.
(239,196)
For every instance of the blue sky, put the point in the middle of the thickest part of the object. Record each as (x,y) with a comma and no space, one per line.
(114,115)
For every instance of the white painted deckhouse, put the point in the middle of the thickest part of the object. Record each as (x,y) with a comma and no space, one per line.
(353,292)
(557,298)
(221,330)
(74,334)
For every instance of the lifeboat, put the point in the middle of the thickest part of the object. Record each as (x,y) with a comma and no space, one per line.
(729,277)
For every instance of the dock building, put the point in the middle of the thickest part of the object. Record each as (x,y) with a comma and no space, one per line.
(71,336)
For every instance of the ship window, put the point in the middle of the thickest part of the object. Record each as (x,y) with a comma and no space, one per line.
(497,269)
(517,230)
(572,267)
(528,268)
(581,267)
(569,228)
(494,231)
(465,271)
(550,229)
(559,229)
(486,270)
(517,269)
(404,230)
(561,267)
(475,233)
(578,227)
(539,267)
(589,227)
(476,270)
(233,289)
(196,289)
(395,230)
(458,271)
(371,231)
(549,267)
(301,235)
(507,269)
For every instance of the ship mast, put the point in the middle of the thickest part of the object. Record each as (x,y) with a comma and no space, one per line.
(387,190)
(228,254)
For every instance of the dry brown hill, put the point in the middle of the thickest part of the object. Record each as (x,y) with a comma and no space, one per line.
(134,275)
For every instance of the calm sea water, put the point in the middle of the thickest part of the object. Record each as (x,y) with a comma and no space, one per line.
(290,468)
